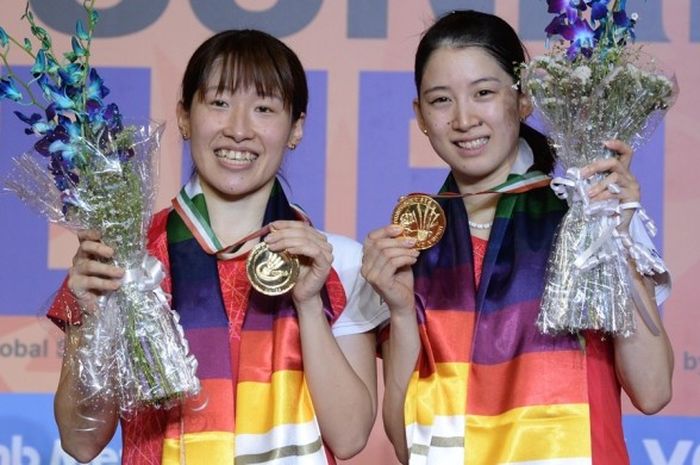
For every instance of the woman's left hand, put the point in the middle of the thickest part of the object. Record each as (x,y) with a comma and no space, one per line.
(315,255)
(619,184)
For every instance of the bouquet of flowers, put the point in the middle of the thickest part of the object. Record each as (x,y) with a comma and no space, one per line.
(91,170)
(597,88)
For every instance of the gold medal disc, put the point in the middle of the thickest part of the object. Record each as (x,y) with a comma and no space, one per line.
(271,273)
(422,218)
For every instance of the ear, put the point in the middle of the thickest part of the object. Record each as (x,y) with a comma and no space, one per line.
(297,132)
(524,106)
(419,116)
(183,121)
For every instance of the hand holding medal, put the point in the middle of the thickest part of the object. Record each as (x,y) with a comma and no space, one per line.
(271,273)
(421,218)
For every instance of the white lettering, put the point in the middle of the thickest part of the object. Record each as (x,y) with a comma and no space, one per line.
(17,454)
(680,453)
(60,457)
(4,455)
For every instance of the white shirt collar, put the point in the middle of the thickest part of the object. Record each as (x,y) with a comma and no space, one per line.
(525,158)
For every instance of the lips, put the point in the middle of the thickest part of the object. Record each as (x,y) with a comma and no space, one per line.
(242,156)
(473,144)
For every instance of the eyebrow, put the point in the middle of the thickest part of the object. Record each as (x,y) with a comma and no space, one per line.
(473,83)
(228,89)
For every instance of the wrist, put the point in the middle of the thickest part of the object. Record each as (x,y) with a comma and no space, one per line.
(402,313)
(309,306)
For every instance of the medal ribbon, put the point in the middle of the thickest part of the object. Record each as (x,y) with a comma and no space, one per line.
(202,232)
(516,185)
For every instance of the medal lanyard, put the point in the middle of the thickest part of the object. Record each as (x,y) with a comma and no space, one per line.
(422,217)
(517,185)
(202,232)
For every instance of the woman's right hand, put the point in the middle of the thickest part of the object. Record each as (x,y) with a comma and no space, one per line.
(386,265)
(91,275)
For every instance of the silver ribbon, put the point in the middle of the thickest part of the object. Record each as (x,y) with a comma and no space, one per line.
(573,188)
(147,277)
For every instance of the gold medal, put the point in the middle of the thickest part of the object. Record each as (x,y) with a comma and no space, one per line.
(422,218)
(271,273)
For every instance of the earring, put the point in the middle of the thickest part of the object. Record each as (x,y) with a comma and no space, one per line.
(425,131)
(292,146)
(185,134)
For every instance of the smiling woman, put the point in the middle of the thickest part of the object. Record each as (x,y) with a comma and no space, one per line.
(287,375)
(469,377)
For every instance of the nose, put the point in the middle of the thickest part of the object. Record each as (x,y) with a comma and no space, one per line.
(464,118)
(239,126)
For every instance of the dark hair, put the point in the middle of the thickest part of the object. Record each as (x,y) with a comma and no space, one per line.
(469,28)
(248,58)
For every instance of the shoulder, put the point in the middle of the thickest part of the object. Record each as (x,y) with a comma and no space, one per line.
(347,252)
(363,311)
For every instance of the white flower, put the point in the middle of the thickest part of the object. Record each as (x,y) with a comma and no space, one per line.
(583,73)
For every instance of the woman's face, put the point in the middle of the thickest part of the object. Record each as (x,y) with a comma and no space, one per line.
(471,112)
(237,139)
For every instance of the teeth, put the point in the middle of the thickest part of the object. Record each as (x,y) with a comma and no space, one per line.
(235,155)
(473,144)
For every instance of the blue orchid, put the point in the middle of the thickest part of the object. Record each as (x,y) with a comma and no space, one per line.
(67,153)
(80,31)
(570,8)
(608,25)
(63,102)
(75,110)
(36,123)
(4,38)
(71,75)
(96,89)
(8,89)
(78,49)
(623,24)
(41,64)
(57,134)
(582,38)
(599,9)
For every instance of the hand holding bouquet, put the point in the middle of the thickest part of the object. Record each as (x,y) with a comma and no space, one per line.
(598,88)
(90,170)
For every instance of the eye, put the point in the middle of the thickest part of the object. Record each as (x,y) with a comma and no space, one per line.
(438,100)
(219,103)
(484,92)
(264,109)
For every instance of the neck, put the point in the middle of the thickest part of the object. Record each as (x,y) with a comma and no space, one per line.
(234,217)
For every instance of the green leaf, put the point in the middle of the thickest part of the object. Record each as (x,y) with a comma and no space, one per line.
(27,45)
(70,56)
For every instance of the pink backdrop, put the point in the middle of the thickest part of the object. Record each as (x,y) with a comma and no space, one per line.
(329,46)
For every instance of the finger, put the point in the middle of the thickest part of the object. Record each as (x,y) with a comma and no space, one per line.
(308,233)
(81,285)
(382,276)
(321,256)
(392,230)
(377,264)
(603,186)
(602,165)
(96,268)
(623,150)
(89,248)
(89,234)
(293,228)
(373,247)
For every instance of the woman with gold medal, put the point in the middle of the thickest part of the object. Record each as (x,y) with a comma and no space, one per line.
(469,377)
(281,327)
